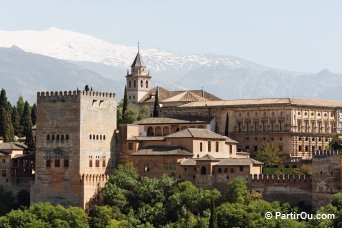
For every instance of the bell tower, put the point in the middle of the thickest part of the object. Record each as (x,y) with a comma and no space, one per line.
(137,80)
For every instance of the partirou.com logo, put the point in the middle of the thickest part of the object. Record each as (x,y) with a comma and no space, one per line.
(299,216)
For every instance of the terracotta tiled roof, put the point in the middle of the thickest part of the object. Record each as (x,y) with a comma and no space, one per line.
(222,161)
(267,101)
(239,161)
(207,157)
(196,133)
(175,120)
(163,151)
(12,146)
(147,138)
(178,96)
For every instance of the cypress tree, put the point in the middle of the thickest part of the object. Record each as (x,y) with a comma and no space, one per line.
(226,131)
(156,104)
(6,125)
(26,123)
(86,88)
(125,102)
(20,106)
(16,122)
(213,215)
(34,114)
(3,99)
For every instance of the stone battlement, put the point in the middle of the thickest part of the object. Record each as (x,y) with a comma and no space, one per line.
(326,153)
(278,178)
(94,178)
(75,93)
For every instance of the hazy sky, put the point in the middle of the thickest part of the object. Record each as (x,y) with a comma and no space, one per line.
(301,35)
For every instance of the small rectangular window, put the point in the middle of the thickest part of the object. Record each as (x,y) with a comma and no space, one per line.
(217,146)
(130,146)
(97,163)
(57,163)
(201,147)
(104,163)
(48,163)
(66,162)
(209,146)
(241,168)
(230,149)
(3,173)
(90,163)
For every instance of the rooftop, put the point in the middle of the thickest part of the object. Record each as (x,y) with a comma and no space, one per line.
(175,120)
(147,138)
(224,161)
(138,61)
(196,133)
(163,150)
(267,101)
(6,146)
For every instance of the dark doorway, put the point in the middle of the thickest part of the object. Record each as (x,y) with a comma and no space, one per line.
(203,171)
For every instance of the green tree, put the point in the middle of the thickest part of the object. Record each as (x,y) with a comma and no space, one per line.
(6,125)
(269,154)
(335,144)
(16,122)
(156,104)
(86,88)
(336,200)
(131,115)
(125,102)
(232,215)
(34,114)
(144,112)
(3,99)
(20,106)
(26,123)
(237,191)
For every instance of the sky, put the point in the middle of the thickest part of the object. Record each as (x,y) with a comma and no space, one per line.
(303,36)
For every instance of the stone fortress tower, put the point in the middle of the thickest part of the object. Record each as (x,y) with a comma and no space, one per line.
(75,146)
(138,80)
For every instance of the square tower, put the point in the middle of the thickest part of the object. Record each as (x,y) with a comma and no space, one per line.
(75,148)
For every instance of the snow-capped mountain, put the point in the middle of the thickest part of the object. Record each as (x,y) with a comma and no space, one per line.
(103,64)
(73,46)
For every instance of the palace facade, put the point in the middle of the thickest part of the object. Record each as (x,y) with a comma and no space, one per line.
(297,126)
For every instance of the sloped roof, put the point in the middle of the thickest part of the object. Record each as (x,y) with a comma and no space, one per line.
(138,61)
(178,96)
(176,120)
(12,146)
(146,138)
(207,157)
(222,161)
(163,150)
(267,101)
(196,133)
(238,161)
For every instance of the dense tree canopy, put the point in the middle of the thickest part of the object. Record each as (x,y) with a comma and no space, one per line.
(269,154)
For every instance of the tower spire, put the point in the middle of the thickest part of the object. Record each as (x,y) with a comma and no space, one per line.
(138,46)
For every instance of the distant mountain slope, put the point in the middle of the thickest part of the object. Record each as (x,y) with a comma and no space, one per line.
(86,58)
(23,73)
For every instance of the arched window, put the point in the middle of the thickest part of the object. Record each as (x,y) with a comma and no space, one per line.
(150,131)
(97,137)
(166,131)
(141,83)
(203,171)
(219,170)
(48,137)
(93,136)
(67,137)
(57,137)
(100,137)
(104,137)
(53,137)
(158,131)
(146,84)
(62,137)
